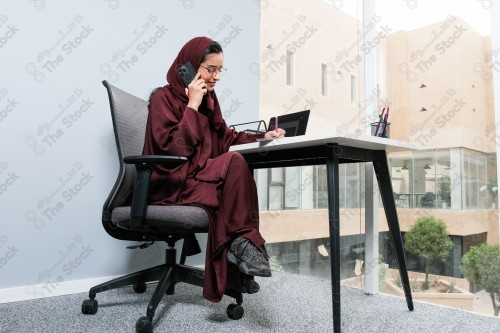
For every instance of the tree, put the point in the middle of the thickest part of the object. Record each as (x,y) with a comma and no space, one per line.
(428,238)
(481,266)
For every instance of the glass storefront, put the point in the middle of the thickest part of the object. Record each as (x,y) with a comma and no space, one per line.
(455,178)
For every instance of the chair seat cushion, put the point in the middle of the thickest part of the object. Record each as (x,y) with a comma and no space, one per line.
(179,218)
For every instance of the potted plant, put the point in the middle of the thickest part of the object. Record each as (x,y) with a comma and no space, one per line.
(444,184)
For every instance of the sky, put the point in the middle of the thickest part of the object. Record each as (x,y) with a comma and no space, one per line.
(412,14)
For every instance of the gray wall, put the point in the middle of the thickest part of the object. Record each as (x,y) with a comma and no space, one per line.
(57,160)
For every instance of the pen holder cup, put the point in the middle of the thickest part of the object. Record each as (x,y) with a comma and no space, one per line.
(387,130)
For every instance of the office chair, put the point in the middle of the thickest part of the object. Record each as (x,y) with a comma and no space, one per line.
(127,216)
(428,199)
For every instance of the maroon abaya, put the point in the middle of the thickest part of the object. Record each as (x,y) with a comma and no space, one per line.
(213,178)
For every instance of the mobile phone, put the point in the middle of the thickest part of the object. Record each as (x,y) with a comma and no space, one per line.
(187,72)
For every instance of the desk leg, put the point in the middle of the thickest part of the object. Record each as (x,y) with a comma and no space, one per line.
(332,170)
(384,183)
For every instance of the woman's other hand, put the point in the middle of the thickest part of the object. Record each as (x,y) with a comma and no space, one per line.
(195,92)
(277,133)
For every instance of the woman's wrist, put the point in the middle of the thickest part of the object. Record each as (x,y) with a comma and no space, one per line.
(193,106)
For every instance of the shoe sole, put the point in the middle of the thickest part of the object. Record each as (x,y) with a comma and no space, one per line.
(244,267)
(244,290)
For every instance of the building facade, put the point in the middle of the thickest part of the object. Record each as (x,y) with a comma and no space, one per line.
(434,81)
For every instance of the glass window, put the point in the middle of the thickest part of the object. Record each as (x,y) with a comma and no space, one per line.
(293,187)
(424,180)
(443,179)
(320,194)
(474,176)
(324,79)
(492,183)
(457,178)
(276,192)
(400,176)
(354,185)
(342,186)
(350,186)
(289,68)
(353,89)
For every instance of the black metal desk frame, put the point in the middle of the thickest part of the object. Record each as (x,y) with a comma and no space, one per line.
(332,154)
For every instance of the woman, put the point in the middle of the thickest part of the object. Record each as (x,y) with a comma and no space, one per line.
(187,121)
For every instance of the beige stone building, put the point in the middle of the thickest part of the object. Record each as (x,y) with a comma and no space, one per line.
(436,81)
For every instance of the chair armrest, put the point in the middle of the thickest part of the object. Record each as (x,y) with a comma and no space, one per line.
(144,166)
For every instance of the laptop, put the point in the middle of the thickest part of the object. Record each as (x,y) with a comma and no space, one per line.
(293,123)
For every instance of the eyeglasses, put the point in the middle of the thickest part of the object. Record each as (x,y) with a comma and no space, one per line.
(214,70)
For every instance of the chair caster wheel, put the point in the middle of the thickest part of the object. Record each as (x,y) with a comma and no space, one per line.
(89,306)
(144,325)
(235,311)
(140,287)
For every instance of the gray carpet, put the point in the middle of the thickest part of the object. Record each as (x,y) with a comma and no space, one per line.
(286,303)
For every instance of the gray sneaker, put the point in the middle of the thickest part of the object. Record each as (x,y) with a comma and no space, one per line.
(250,259)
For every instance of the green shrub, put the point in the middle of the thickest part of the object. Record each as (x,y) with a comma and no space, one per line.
(428,238)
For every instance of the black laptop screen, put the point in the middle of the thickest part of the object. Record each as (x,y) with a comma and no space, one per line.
(293,123)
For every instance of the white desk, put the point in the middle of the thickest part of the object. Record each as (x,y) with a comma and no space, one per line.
(328,139)
(325,148)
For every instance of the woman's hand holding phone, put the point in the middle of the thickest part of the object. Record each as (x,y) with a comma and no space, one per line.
(195,91)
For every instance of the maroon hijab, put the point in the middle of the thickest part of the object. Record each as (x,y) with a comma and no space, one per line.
(192,51)
(170,132)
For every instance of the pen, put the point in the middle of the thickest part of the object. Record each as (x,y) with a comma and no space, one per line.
(276,122)
(381,130)
(385,123)
(379,122)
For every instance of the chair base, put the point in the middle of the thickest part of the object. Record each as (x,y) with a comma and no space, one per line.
(167,275)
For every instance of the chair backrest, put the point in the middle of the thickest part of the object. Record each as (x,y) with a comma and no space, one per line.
(129,115)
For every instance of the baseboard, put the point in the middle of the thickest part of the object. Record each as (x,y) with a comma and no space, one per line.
(16,294)
(51,289)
